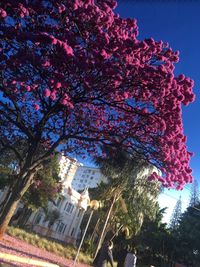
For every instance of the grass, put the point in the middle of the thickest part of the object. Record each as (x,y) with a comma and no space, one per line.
(66,251)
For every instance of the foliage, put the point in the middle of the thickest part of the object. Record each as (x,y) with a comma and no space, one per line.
(135,195)
(176,215)
(8,166)
(188,236)
(52,216)
(5,177)
(161,245)
(194,194)
(155,242)
(45,187)
(74,76)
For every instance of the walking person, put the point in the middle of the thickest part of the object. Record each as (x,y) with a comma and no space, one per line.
(131,258)
(104,255)
(121,255)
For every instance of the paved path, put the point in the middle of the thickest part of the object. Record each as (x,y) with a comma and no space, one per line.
(5,265)
(24,260)
(20,254)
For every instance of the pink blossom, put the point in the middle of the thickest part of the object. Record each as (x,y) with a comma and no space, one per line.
(23,10)
(28,88)
(61,8)
(47,38)
(75,6)
(181,77)
(46,63)
(36,107)
(53,95)
(190,153)
(126,95)
(3,13)
(54,41)
(51,81)
(58,85)
(47,92)
(91,61)
(64,101)
(67,49)
(71,105)
(104,54)
(180,187)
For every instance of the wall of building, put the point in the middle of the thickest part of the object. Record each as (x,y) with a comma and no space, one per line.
(68,167)
(87,177)
(72,206)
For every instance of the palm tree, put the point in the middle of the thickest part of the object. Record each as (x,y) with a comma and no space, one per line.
(128,190)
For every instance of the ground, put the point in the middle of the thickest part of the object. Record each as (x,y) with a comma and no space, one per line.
(19,248)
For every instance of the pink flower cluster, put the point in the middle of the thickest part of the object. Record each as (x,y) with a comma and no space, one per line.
(85,78)
(3,13)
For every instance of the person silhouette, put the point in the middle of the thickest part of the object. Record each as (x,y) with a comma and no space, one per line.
(104,255)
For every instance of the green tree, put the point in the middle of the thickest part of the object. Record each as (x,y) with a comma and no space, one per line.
(194,193)
(155,241)
(45,187)
(128,195)
(188,236)
(175,218)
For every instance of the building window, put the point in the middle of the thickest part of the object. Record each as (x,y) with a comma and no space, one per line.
(66,205)
(92,177)
(60,228)
(38,218)
(69,207)
(72,208)
(64,228)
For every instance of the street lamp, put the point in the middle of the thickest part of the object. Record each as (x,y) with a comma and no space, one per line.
(94,205)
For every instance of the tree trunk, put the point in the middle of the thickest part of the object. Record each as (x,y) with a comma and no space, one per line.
(5,199)
(11,205)
(8,193)
(7,215)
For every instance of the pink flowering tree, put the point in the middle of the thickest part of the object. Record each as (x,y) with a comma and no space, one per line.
(74,76)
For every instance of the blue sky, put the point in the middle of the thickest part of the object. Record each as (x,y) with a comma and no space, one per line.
(176,22)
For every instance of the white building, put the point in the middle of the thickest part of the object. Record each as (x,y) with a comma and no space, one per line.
(87,177)
(79,177)
(71,207)
(68,167)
